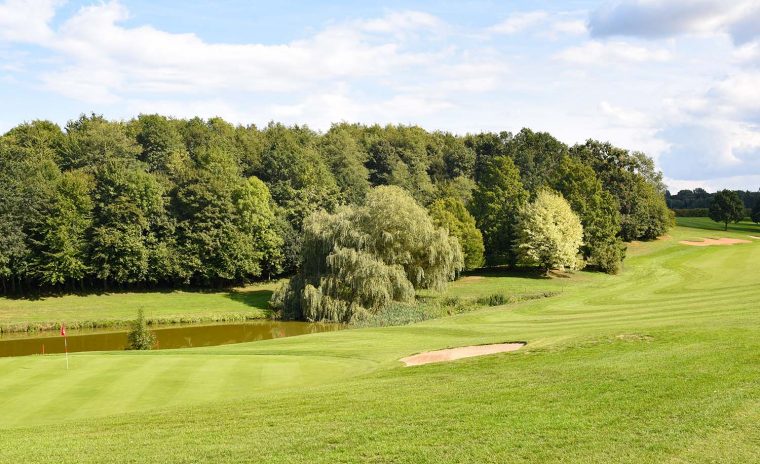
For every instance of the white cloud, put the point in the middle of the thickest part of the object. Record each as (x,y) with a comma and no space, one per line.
(106,61)
(699,114)
(666,18)
(572,27)
(716,134)
(518,22)
(624,117)
(604,53)
(27,20)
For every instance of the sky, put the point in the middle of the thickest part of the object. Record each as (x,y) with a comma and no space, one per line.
(676,79)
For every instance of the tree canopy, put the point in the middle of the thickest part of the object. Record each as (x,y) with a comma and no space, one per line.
(550,233)
(451,214)
(495,205)
(157,201)
(726,207)
(361,258)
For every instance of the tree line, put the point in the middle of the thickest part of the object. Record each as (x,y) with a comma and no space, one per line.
(162,202)
(700,198)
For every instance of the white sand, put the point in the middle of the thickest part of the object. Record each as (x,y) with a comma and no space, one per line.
(713,242)
(458,353)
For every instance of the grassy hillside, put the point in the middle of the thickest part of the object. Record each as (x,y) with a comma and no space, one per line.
(659,364)
(112,308)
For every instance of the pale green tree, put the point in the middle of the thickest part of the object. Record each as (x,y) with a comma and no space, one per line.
(549,233)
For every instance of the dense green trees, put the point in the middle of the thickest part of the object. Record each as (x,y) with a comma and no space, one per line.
(755,215)
(634,182)
(157,201)
(597,209)
(549,234)
(451,214)
(726,206)
(361,258)
(496,203)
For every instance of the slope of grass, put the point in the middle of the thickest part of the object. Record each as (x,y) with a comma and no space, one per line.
(659,364)
(103,310)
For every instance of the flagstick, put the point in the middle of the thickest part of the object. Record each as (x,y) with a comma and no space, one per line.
(66,349)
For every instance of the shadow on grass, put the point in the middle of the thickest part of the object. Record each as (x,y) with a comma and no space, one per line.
(254,298)
(525,273)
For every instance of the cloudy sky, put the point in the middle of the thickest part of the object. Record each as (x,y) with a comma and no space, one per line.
(677,79)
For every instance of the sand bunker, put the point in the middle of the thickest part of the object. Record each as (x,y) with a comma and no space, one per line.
(756,238)
(713,241)
(452,354)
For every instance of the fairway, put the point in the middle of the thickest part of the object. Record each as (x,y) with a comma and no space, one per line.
(658,364)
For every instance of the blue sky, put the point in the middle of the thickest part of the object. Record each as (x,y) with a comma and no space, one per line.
(676,79)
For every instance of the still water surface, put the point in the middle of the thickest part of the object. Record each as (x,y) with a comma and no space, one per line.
(167,337)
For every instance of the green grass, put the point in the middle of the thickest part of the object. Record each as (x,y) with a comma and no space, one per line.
(658,364)
(104,310)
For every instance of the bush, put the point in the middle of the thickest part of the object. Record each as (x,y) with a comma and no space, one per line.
(608,256)
(394,314)
(495,299)
(140,338)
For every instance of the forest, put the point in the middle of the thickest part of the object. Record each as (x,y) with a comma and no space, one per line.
(157,202)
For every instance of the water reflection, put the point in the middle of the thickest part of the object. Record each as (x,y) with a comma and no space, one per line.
(166,337)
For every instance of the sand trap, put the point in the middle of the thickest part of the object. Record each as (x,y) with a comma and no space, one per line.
(452,354)
(712,241)
(756,238)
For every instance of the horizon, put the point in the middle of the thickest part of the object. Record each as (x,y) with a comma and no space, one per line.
(675,80)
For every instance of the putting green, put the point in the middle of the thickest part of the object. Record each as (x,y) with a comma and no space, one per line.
(659,364)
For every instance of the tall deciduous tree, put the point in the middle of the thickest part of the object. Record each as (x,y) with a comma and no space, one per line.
(726,207)
(451,214)
(225,228)
(636,185)
(537,156)
(495,205)
(756,212)
(597,209)
(550,233)
(346,160)
(58,240)
(127,202)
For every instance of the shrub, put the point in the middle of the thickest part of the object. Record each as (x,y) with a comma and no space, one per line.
(495,299)
(394,314)
(140,338)
(608,256)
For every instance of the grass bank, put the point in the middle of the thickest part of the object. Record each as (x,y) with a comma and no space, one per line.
(658,364)
(117,309)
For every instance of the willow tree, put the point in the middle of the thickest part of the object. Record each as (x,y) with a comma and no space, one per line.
(550,233)
(361,258)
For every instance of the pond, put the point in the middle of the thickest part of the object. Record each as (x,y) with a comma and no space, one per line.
(167,337)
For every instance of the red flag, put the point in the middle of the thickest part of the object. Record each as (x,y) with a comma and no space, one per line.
(63,330)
